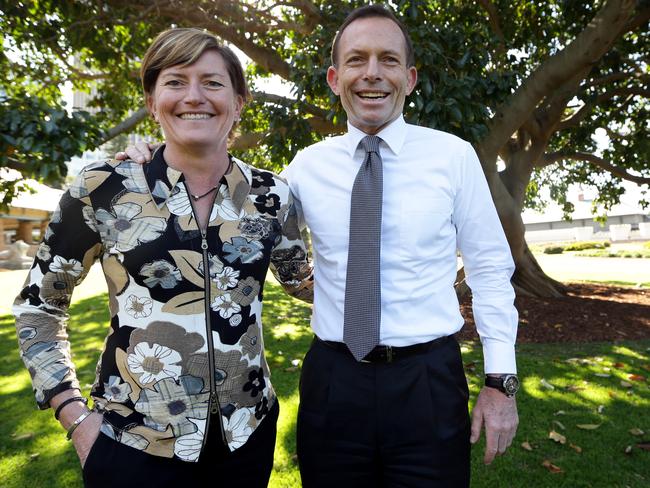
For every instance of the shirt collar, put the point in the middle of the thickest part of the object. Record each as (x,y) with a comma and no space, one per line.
(393,136)
(161,179)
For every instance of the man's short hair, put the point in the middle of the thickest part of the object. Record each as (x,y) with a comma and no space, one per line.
(369,11)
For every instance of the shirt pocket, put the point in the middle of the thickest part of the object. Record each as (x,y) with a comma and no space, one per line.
(424,226)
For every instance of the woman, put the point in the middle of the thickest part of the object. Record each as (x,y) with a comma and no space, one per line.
(185,243)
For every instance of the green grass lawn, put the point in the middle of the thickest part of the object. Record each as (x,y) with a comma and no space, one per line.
(583,384)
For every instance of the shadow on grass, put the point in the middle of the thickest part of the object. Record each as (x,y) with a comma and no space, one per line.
(32,444)
(583,378)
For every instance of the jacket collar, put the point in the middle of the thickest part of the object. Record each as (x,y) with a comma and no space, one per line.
(161,179)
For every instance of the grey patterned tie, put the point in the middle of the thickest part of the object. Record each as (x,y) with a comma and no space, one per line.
(362,313)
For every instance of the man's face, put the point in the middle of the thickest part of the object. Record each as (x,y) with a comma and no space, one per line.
(371,76)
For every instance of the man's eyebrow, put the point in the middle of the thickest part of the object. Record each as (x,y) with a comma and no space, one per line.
(354,52)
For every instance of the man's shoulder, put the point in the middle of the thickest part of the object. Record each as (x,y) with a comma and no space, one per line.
(328,144)
(419,132)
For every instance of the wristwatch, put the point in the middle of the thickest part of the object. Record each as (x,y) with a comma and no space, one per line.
(508,384)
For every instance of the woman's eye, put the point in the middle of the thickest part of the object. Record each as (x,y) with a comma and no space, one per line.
(214,84)
(173,83)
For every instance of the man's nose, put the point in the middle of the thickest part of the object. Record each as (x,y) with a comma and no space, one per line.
(372,69)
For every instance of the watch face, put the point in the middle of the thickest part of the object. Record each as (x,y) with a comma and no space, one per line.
(511,384)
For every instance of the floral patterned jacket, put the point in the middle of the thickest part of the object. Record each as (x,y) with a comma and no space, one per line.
(184,348)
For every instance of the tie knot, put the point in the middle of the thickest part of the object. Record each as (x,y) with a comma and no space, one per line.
(371,144)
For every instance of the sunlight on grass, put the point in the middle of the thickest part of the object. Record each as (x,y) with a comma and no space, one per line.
(15,383)
(36,454)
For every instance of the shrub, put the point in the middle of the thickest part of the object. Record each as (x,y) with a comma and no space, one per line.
(646,244)
(553,250)
(581,246)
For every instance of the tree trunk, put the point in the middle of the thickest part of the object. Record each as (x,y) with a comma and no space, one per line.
(529,279)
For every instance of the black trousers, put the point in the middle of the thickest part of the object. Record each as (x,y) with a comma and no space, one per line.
(111,464)
(401,424)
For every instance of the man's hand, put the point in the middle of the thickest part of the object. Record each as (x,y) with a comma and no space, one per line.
(85,435)
(499,414)
(140,153)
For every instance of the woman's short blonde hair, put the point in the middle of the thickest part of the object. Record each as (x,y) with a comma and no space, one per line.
(183,46)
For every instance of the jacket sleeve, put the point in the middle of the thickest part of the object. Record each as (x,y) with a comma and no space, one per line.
(70,247)
(289,260)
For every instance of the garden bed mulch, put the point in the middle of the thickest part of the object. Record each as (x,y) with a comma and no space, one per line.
(588,313)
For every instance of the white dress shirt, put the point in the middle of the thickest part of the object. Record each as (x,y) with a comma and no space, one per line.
(435,200)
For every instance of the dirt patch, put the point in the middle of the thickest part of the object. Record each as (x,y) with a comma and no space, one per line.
(589,313)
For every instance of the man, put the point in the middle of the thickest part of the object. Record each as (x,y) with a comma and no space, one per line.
(386,215)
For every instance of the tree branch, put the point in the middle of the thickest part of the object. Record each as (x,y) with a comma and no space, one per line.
(578,116)
(585,50)
(551,158)
(289,102)
(251,140)
(125,126)
(495,23)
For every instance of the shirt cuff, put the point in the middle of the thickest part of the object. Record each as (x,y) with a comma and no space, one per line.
(499,357)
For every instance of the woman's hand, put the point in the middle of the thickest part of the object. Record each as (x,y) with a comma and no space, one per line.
(140,153)
(85,435)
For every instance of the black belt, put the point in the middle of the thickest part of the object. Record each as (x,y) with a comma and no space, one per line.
(388,354)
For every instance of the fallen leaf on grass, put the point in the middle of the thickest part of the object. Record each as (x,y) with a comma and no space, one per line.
(32,457)
(628,450)
(602,375)
(619,365)
(636,431)
(551,467)
(526,445)
(601,408)
(635,377)
(559,424)
(588,426)
(643,445)
(546,384)
(22,437)
(646,367)
(625,384)
(557,437)
(291,369)
(574,388)
(577,449)
(560,412)
(471,366)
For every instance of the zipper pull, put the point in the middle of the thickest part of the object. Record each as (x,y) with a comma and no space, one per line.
(214,403)
(204,243)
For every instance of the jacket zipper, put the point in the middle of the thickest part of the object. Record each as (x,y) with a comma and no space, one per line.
(213,400)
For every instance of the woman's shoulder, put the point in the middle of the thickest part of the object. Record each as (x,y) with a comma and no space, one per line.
(130,175)
(261,177)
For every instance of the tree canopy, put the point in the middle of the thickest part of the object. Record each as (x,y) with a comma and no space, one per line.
(527,82)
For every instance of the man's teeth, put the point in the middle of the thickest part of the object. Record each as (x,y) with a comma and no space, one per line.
(372,95)
(195,116)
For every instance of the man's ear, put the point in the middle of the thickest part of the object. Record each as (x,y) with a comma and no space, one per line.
(333,79)
(412,79)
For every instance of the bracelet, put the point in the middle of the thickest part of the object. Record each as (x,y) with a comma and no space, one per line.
(69,400)
(76,423)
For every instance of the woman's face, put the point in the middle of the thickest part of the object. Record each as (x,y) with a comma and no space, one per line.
(196,105)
